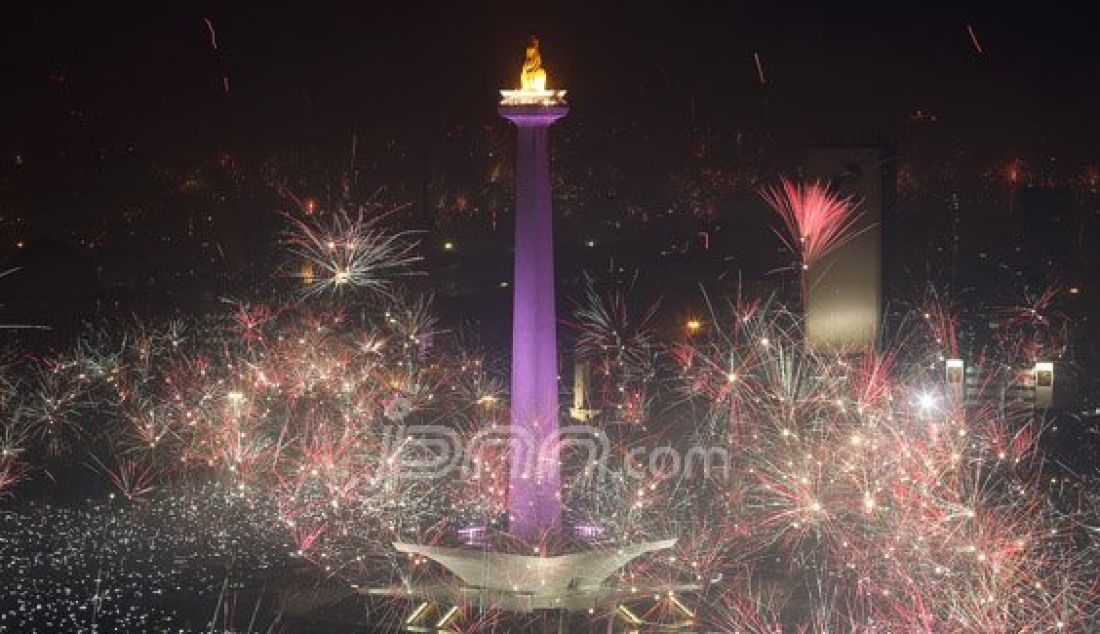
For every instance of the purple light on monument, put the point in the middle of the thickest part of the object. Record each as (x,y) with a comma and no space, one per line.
(535,582)
(534,500)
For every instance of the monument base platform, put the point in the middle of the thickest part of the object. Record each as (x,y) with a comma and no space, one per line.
(524,583)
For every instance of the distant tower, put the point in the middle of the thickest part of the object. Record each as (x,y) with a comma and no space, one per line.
(582,409)
(1044,384)
(534,500)
(844,292)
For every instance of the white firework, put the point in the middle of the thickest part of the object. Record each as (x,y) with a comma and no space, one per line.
(340,252)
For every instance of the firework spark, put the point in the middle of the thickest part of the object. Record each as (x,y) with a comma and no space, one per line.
(349,252)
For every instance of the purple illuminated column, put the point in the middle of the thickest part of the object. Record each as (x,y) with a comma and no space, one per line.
(534,499)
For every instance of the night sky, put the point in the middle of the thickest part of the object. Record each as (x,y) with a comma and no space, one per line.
(161,143)
(149,75)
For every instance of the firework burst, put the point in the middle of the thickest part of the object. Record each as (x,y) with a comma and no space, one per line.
(842,492)
(337,252)
(816,220)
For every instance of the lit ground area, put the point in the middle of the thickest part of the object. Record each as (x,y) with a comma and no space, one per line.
(192,564)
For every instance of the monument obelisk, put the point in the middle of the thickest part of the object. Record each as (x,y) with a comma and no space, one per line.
(544,580)
(534,498)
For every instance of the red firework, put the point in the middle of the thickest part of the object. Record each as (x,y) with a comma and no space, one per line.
(816,220)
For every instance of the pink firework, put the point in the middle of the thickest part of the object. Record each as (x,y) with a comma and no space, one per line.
(816,220)
(133,477)
(13,470)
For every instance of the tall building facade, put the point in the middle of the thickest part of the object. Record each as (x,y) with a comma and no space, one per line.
(843,302)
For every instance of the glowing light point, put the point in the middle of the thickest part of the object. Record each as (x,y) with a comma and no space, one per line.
(926,401)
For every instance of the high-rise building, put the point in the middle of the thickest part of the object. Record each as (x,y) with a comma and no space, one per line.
(843,301)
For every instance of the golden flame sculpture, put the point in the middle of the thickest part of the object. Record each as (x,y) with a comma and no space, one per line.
(532,78)
(532,81)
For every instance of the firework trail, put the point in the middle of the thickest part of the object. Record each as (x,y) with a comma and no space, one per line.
(974,39)
(759,68)
(213,33)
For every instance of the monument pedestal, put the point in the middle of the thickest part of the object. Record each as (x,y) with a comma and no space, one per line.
(524,583)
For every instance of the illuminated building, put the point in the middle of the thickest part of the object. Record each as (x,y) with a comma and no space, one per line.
(582,409)
(1018,391)
(844,291)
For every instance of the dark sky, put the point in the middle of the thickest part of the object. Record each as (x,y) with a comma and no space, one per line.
(146,74)
(107,104)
